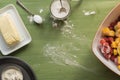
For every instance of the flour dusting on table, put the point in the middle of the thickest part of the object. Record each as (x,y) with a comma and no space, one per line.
(67,31)
(61,55)
(87,13)
(30,18)
(41,10)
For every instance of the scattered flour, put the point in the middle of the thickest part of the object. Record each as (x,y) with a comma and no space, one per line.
(62,56)
(41,10)
(87,13)
(61,53)
(67,31)
(30,18)
(38,20)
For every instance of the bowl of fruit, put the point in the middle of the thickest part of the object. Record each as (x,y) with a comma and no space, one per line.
(106,43)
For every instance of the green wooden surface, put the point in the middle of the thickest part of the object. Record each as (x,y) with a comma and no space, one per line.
(64,53)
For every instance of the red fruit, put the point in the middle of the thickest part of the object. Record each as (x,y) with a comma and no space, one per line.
(112,25)
(118,19)
(105,48)
(105,38)
(110,40)
(116,61)
(113,58)
(107,56)
(111,50)
(102,41)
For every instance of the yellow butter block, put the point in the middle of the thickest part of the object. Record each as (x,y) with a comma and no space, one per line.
(8,29)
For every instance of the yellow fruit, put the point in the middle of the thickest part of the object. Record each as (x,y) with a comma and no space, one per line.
(111,33)
(117,41)
(114,44)
(115,51)
(118,33)
(107,32)
(118,67)
(118,59)
(117,26)
(118,49)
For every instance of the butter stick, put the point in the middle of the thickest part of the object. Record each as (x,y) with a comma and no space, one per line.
(8,29)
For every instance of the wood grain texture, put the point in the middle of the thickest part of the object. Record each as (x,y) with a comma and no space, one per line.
(64,53)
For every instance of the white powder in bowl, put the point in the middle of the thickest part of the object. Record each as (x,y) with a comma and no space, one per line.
(56,6)
(12,73)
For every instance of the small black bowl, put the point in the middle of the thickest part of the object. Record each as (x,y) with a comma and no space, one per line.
(8,61)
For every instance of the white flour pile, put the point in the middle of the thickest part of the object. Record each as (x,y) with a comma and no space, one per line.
(30,17)
(87,13)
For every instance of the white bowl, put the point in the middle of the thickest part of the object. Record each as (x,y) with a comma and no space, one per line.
(111,17)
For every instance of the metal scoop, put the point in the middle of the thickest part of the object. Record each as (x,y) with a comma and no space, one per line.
(37,19)
(62,9)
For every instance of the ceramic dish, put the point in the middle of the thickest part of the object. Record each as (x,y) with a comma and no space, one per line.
(111,17)
(24,34)
(10,62)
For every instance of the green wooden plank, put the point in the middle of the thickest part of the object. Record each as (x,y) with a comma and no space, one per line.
(64,53)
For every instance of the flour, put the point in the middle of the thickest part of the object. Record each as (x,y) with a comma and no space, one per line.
(30,18)
(36,18)
(12,74)
(56,6)
(41,10)
(60,55)
(87,13)
(67,31)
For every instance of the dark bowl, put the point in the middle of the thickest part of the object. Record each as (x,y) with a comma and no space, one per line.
(8,61)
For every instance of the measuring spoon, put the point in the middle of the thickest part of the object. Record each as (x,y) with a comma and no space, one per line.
(36,18)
